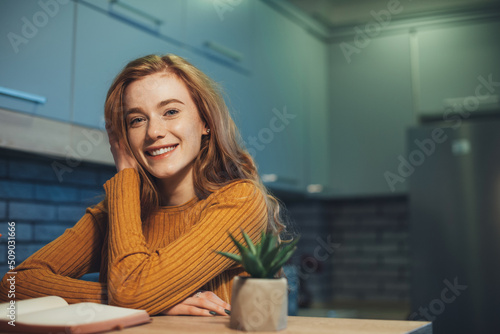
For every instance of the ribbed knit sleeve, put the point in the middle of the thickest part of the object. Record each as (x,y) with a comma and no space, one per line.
(157,280)
(53,270)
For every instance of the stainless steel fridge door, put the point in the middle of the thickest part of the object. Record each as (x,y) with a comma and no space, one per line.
(455,225)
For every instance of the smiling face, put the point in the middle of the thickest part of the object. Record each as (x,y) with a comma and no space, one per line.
(164,127)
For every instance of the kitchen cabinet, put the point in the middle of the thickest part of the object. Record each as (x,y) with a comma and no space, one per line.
(278,101)
(371,106)
(452,61)
(222,30)
(104,46)
(158,16)
(277,135)
(281,107)
(315,84)
(235,88)
(36,56)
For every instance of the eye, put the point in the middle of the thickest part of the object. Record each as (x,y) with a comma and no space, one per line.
(171,112)
(135,121)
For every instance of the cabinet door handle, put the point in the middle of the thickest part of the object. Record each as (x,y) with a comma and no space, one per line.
(135,11)
(272,178)
(224,50)
(23,95)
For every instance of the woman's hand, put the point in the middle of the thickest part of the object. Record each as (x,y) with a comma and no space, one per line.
(123,159)
(203,303)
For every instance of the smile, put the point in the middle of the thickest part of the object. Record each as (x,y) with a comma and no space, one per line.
(161,151)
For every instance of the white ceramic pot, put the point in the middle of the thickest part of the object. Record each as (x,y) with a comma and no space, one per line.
(259,304)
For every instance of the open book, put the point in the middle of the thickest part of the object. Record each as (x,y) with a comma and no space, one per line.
(53,314)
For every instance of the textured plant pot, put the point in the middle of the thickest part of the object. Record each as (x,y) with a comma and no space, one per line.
(259,304)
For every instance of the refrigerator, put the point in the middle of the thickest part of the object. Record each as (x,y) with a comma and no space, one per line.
(453,169)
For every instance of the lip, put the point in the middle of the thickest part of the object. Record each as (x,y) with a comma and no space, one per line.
(154,148)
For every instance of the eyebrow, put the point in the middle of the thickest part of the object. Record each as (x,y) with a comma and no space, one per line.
(158,106)
(167,102)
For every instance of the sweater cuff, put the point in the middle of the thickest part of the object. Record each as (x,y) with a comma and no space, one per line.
(127,178)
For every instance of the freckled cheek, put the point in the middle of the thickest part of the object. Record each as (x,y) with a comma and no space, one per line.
(192,135)
(135,143)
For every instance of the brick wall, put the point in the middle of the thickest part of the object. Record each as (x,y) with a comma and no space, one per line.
(41,203)
(352,250)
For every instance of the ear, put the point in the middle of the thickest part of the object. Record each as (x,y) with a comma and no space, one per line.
(206,130)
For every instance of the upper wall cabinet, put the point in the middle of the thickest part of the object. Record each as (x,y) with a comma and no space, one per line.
(35,58)
(453,62)
(222,30)
(104,45)
(370,109)
(158,16)
(278,132)
(315,84)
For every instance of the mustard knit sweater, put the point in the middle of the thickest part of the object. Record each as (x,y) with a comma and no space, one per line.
(151,265)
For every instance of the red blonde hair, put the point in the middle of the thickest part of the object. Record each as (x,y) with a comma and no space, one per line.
(221,160)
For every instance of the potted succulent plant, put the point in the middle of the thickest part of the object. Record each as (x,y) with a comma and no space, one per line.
(260,302)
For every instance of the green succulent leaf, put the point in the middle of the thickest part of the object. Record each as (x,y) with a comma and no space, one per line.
(252,264)
(280,263)
(232,256)
(259,244)
(290,247)
(241,248)
(267,243)
(268,258)
(264,259)
(249,242)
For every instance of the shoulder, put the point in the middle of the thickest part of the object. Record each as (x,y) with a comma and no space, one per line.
(239,204)
(239,190)
(240,195)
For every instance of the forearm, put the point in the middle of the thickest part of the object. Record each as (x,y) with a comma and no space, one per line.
(33,283)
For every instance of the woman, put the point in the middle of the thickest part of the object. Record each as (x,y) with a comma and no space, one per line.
(183,182)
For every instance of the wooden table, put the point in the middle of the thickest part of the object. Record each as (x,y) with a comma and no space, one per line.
(296,325)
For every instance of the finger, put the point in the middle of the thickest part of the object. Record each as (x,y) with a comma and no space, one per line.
(215,299)
(193,310)
(207,304)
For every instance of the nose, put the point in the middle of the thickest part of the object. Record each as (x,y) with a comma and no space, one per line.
(156,128)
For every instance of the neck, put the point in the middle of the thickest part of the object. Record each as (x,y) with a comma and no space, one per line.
(177,190)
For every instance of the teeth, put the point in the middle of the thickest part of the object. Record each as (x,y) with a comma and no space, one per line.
(162,151)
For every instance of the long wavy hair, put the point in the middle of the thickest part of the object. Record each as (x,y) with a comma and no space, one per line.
(221,160)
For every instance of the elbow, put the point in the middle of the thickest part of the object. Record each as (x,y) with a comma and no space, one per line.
(134,299)
(121,298)
(125,296)
(132,303)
